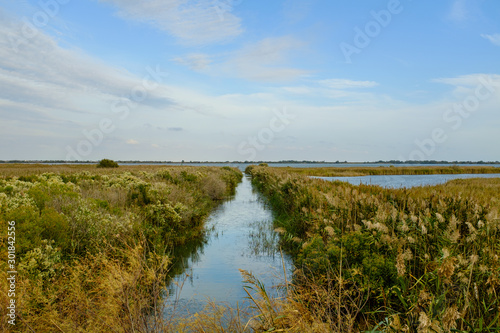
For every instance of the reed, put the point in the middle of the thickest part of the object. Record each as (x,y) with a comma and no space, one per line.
(424,259)
(379,171)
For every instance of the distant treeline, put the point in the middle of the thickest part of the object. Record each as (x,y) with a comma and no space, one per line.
(258,162)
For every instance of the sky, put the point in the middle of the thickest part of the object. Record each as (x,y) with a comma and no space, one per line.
(236,80)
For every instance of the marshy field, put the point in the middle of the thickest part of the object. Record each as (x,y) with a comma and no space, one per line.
(424,259)
(93,245)
(94,248)
(393,170)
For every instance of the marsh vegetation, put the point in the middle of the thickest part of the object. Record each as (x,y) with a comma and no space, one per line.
(94,245)
(424,259)
(392,170)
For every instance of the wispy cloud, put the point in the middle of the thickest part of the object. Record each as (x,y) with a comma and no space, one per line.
(347,84)
(458,11)
(55,93)
(267,60)
(296,10)
(470,87)
(195,61)
(494,38)
(470,80)
(327,89)
(191,22)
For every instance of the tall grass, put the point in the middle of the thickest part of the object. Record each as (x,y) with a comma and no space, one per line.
(94,246)
(379,171)
(389,260)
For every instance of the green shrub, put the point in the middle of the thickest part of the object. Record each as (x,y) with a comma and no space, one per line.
(42,263)
(105,163)
(92,245)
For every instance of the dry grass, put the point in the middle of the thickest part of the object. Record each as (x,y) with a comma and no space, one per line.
(372,171)
(23,169)
(424,259)
(388,260)
(93,245)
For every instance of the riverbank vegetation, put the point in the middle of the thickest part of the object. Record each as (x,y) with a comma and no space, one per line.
(379,171)
(424,259)
(94,248)
(93,245)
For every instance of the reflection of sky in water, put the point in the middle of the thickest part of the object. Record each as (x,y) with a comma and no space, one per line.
(214,273)
(398,181)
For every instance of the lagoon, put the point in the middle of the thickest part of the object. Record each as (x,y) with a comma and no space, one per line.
(400,181)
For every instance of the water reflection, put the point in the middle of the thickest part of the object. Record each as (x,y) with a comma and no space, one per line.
(240,236)
(400,181)
(262,240)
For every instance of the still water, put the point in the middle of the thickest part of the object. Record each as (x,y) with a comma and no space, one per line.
(399,181)
(240,236)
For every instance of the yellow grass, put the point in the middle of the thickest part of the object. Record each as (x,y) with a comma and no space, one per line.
(424,259)
(371,171)
(93,245)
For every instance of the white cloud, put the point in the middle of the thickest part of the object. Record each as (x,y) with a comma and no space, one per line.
(473,85)
(347,84)
(51,94)
(264,61)
(470,80)
(349,91)
(494,38)
(300,90)
(195,61)
(132,142)
(199,22)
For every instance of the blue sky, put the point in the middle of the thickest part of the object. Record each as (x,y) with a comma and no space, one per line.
(225,80)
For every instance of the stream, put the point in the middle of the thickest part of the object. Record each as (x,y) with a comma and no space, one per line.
(240,236)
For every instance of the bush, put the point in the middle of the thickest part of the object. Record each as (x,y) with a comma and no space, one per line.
(214,186)
(105,163)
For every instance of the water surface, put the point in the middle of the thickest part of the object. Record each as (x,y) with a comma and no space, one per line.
(400,181)
(240,236)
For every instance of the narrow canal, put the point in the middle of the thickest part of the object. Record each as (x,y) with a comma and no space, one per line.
(240,236)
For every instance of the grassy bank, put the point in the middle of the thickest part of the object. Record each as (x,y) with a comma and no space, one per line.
(93,245)
(379,171)
(389,260)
